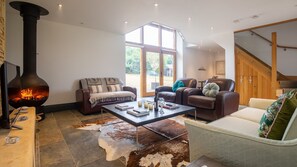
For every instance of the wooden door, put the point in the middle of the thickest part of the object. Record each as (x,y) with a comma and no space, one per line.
(158,69)
(152,72)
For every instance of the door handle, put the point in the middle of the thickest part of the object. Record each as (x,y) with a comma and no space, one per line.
(250,79)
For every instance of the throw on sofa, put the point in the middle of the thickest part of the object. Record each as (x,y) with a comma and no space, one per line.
(234,140)
(96,92)
(169,95)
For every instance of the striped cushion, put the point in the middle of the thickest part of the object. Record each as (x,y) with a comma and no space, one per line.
(95,89)
(114,88)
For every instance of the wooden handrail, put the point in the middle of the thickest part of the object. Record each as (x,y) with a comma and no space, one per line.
(280,76)
(267,40)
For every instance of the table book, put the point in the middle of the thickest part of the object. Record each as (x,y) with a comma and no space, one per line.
(123,107)
(171,106)
(138,112)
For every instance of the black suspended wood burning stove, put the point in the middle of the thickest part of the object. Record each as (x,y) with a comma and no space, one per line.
(28,89)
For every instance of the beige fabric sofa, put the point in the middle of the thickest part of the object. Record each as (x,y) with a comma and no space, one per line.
(234,141)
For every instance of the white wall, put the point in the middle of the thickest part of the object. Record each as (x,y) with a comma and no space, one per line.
(179,56)
(68,53)
(195,59)
(226,41)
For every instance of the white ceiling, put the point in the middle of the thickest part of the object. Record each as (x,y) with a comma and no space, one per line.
(110,15)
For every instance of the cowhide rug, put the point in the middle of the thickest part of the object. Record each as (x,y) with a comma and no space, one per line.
(154,150)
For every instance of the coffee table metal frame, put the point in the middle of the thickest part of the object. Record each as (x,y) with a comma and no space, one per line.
(154,116)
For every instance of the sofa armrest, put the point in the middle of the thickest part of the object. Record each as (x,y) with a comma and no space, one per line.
(131,89)
(229,147)
(82,95)
(226,103)
(163,89)
(179,95)
(260,103)
(188,92)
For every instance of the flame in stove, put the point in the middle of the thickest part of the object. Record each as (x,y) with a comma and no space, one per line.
(33,96)
(27,94)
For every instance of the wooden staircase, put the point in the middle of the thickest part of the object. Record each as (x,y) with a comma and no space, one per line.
(253,77)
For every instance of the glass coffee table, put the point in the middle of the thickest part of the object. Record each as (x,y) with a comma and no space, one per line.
(152,117)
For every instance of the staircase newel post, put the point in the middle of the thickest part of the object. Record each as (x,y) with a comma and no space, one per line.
(274,83)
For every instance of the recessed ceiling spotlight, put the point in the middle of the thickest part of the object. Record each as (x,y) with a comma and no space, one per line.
(211,28)
(126,22)
(189,18)
(255,16)
(156,4)
(60,5)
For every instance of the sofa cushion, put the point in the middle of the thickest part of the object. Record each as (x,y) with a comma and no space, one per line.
(168,96)
(238,125)
(177,85)
(112,81)
(95,89)
(202,102)
(87,82)
(269,116)
(211,89)
(291,130)
(249,113)
(279,125)
(94,81)
(114,88)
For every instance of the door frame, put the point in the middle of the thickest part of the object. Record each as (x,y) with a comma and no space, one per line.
(143,71)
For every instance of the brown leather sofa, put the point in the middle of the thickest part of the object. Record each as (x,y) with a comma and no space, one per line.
(175,97)
(212,108)
(90,102)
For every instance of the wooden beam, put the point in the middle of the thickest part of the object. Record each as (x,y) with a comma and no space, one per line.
(274,84)
(267,25)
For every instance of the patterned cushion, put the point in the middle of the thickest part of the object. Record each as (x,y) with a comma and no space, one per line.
(112,81)
(95,89)
(280,123)
(94,81)
(177,85)
(291,130)
(211,89)
(114,88)
(269,116)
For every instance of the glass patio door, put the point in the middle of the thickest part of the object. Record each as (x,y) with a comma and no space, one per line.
(158,70)
(168,67)
(152,72)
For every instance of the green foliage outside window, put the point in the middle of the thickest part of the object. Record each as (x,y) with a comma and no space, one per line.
(132,60)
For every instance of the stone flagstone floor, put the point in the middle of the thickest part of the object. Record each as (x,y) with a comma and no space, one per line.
(61,145)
